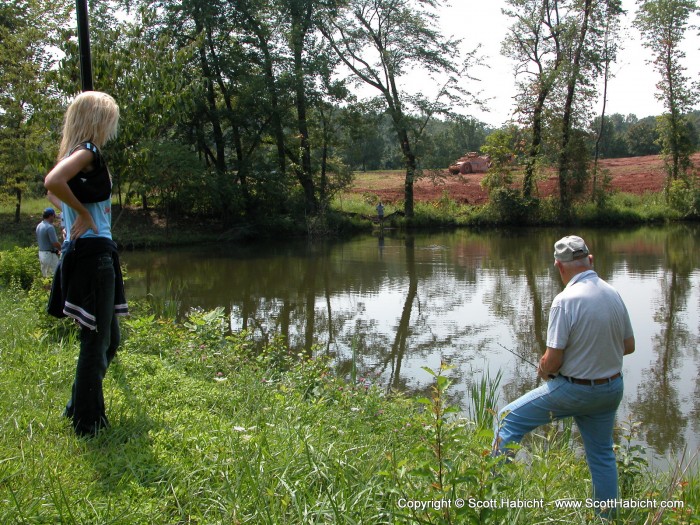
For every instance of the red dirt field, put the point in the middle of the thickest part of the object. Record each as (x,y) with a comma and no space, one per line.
(635,175)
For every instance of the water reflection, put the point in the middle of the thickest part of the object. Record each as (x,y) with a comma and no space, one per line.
(404,302)
(672,344)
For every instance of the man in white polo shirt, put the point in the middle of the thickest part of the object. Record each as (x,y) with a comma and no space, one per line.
(588,334)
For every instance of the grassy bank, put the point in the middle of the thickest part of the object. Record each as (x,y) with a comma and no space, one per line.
(508,209)
(354,212)
(207,429)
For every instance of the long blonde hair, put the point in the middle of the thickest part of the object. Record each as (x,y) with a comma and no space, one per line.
(92,117)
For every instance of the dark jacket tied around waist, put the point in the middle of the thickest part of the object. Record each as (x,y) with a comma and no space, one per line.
(71,294)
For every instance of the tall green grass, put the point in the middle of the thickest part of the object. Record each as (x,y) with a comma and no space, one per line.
(618,208)
(206,428)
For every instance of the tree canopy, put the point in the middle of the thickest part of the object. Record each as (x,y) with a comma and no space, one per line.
(247,111)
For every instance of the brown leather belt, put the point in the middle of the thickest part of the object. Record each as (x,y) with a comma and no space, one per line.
(591,381)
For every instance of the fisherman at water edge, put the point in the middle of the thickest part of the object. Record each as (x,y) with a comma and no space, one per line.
(589,332)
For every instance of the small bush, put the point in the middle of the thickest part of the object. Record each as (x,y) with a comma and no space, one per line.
(510,206)
(685,198)
(19,265)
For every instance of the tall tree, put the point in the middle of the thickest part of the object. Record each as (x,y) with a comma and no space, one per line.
(582,67)
(535,43)
(301,16)
(663,25)
(380,42)
(611,31)
(226,93)
(28,100)
(559,50)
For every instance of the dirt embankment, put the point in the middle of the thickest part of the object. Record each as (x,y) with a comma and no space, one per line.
(635,175)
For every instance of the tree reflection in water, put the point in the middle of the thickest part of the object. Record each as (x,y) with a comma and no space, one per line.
(407,301)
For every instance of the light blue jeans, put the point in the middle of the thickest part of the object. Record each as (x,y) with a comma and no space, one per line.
(593,407)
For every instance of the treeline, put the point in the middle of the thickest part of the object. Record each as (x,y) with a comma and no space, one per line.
(629,136)
(445,140)
(246,110)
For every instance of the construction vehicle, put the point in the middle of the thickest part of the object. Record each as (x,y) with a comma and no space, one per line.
(472,162)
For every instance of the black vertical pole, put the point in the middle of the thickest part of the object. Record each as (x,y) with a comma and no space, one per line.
(84,45)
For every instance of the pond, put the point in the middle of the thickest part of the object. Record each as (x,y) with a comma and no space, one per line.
(393,303)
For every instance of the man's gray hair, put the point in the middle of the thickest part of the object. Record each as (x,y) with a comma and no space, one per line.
(583,262)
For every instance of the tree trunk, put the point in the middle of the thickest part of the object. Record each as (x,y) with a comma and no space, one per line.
(601,131)
(530,166)
(565,156)
(212,110)
(301,21)
(275,119)
(18,206)
(304,173)
(409,157)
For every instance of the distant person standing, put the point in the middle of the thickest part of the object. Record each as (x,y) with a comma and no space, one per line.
(380,211)
(49,246)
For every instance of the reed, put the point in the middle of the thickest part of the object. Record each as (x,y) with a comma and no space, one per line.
(483,399)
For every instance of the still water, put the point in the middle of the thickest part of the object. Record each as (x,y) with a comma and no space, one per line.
(464,297)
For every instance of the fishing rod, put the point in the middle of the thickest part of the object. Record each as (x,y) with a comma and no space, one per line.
(551,376)
(518,355)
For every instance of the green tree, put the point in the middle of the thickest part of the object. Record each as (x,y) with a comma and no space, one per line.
(380,41)
(206,80)
(663,25)
(642,138)
(534,42)
(500,146)
(559,50)
(362,141)
(153,92)
(28,101)
(608,134)
(301,18)
(259,102)
(586,46)
(611,32)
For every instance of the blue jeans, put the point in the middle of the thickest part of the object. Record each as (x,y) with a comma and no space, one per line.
(86,406)
(593,407)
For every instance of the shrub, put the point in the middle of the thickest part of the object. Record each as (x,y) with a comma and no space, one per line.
(510,206)
(684,197)
(19,265)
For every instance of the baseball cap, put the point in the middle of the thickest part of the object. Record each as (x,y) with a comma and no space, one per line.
(48,212)
(570,248)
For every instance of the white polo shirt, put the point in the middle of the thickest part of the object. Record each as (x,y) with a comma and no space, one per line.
(589,321)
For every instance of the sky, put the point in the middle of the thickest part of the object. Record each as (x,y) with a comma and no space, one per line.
(630,91)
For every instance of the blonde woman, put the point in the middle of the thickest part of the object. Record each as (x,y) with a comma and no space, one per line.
(88,286)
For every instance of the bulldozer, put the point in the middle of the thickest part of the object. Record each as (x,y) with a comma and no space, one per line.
(472,162)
